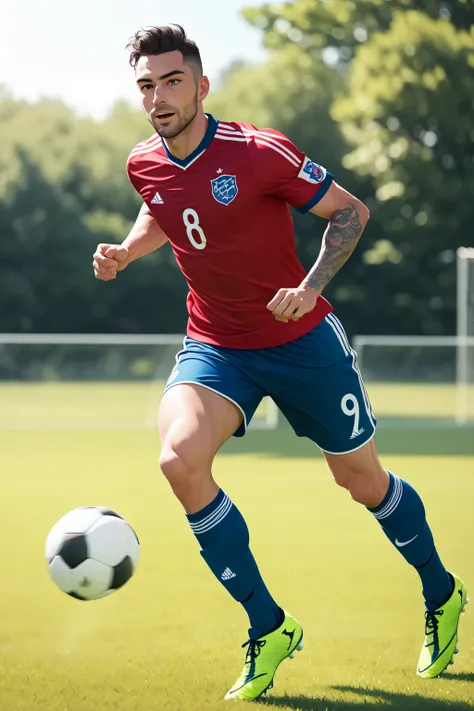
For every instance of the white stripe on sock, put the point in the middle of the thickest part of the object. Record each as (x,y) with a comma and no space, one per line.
(393,502)
(207,519)
(213,518)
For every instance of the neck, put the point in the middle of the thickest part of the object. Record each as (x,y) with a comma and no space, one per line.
(188,140)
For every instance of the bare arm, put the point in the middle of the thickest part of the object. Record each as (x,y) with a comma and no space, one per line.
(347,218)
(145,236)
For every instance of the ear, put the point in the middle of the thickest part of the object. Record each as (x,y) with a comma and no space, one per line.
(203,88)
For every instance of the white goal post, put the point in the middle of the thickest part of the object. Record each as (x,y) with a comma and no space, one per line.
(434,370)
(465,330)
(64,381)
(442,366)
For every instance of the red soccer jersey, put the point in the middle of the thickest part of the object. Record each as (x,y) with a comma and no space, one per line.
(225,210)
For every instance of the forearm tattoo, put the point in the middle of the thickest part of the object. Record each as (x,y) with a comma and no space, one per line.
(339,241)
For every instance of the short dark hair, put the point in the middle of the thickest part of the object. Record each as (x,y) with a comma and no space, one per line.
(158,40)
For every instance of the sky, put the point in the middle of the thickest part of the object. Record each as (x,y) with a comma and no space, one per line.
(75,50)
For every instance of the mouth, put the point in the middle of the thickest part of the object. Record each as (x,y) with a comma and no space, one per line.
(165,116)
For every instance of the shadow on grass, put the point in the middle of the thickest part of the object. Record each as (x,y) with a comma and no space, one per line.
(370,698)
(462,676)
(282,442)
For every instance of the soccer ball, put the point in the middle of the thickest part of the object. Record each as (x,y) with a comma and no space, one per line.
(91,552)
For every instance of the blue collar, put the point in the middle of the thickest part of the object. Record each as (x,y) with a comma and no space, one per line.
(212,124)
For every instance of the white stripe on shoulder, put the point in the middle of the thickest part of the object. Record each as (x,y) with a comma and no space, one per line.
(152,138)
(279,149)
(146,149)
(241,138)
(223,137)
(150,150)
(228,132)
(224,124)
(147,146)
(277,140)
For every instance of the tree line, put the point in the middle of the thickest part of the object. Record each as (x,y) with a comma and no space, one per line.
(380,92)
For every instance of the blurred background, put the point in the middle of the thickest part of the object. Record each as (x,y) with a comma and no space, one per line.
(381,92)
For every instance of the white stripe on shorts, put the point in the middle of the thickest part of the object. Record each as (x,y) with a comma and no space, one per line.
(355,365)
(339,338)
(343,340)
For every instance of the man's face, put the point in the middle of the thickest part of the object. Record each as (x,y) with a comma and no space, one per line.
(170,92)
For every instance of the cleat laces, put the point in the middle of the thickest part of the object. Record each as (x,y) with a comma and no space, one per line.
(431,627)
(254,647)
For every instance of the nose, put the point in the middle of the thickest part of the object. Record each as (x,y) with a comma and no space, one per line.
(158,96)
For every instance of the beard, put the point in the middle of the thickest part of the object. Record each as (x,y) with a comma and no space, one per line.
(177,123)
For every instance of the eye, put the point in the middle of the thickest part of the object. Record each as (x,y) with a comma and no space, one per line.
(174,82)
(145,87)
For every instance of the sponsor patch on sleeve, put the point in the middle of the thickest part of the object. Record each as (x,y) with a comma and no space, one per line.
(312,172)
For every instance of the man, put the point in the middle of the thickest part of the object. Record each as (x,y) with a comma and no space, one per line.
(258,325)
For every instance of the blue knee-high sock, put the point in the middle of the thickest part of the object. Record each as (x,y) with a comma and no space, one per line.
(402,517)
(224,539)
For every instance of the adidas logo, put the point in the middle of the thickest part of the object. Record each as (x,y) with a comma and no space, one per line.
(157,199)
(228,574)
(357,433)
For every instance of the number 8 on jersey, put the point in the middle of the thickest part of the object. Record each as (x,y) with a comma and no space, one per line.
(192,227)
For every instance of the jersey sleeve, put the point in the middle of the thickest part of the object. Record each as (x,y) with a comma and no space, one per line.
(139,163)
(132,172)
(283,171)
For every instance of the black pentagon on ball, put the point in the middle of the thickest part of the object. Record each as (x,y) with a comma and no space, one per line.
(78,597)
(109,512)
(122,572)
(73,549)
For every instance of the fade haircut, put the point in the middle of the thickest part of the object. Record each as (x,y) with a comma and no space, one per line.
(158,40)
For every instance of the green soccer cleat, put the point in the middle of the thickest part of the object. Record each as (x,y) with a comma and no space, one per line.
(441,632)
(264,655)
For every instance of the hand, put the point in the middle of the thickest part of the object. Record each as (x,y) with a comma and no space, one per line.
(292,304)
(108,260)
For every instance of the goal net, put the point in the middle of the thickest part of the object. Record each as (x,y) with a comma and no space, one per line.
(415,380)
(427,380)
(78,381)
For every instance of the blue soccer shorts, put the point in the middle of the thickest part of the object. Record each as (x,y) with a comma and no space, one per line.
(314,381)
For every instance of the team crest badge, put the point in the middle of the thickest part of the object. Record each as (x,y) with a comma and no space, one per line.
(312,172)
(224,188)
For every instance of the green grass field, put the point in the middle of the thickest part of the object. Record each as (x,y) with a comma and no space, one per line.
(170,639)
(68,404)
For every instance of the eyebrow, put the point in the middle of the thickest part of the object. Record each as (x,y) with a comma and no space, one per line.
(163,76)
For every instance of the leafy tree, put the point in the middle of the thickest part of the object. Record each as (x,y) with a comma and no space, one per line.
(342,25)
(405,80)
(379,94)
(293,92)
(407,110)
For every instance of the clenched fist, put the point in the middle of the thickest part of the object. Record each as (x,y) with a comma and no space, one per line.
(292,304)
(108,260)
